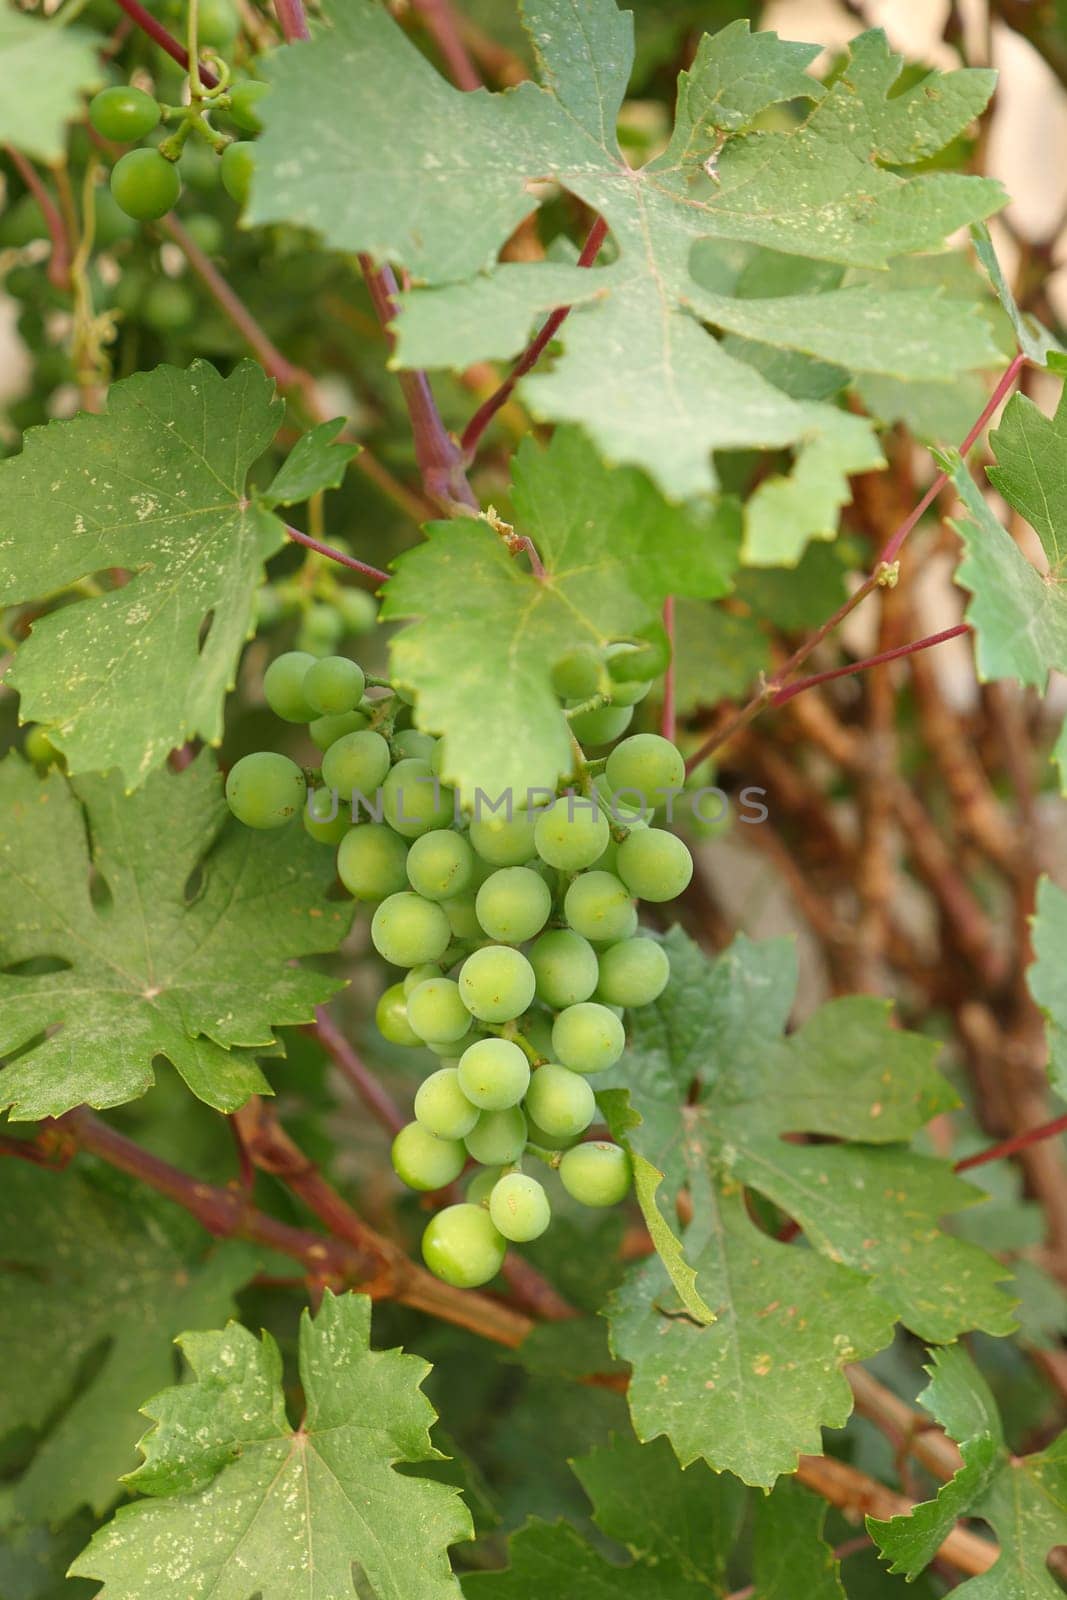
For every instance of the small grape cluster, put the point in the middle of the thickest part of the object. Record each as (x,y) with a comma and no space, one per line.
(519,933)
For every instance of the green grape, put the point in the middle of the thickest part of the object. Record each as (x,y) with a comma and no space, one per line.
(537,1031)
(283,686)
(414,801)
(436,1011)
(482,1185)
(633,973)
(442,1108)
(245,96)
(145,185)
(217,23)
(320,630)
(461,911)
(199,167)
(536,1135)
(623,809)
(462,1247)
(603,725)
(519,1208)
(588,1037)
(237,166)
(124,113)
(646,765)
(494,1074)
(440,864)
(318,821)
(628,694)
(421,974)
(357,609)
(356,765)
(498,1137)
(653,864)
(168,306)
(560,1102)
(576,675)
(640,661)
(598,906)
(325,731)
(406,930)
(265,790)
(565,968)
(571,834)
(391,1015)
(206,231)
(371,861)
(39,747)
(334,684)
(497,983)
(424,1162)
(596,1174)
(410,744)
(513,904)
(504,841)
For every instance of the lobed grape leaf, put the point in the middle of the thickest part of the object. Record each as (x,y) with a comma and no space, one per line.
(480,654)
(246,1506)
(1023,1498)
(149,925)
(713,1091)
(156,486)
(45,68)
(639,369)
(318,460)
(681,1530)
(95,1288)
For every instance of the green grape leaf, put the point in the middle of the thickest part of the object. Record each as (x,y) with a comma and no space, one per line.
(717,1089)
(245,1505)
(1035,340)
(318,460)
(1047,978)
(718,654)
(823,189)
(157,487)
(681,1531)
(149,925)
(480,654)
(1023,1498)
(89,1275)
(45,68)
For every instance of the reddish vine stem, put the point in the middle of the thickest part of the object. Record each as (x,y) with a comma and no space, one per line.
(166,40)
(339,556)
(669,721)
(793,689)
(485,413)
(292,20)
(59,263)
(1018,1141)
(440,21)
(375,1097)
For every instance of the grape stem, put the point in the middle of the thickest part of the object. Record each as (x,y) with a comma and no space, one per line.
(910,649)
(59,261)
(166,40)
(440,22)
(1018,1141)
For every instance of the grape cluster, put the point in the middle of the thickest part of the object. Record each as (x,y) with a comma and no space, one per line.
(518,930)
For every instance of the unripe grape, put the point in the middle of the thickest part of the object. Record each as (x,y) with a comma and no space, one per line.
(653,864)
(576,675)
(648,764)
(123,113)
(596,1174)
(436,1011)
(482,1185)
(325,731)
(442,1108)
(414,801)
(283,686)
(571,833)
(265,790)
(424,1162)
(460,909)
(537,1031)
(356,764)
(440,864)
(503,841)
(633,973)
(245,96)
(334,684)
(565,968)
(217,23)
(560,1102)
(598,906)
(542,1139)
(421,974)
(513,904)
(498,1137)
(39,747)
(391,1015)
(602,726)
(320,631)
(497,983)
(237,168)
(145,185)
(519,1208)
(411,745)
(628,694)
(357,609)
(588,1037)
(494,1074)
(371,861)
(320,821)
(406,930)
(462,1247)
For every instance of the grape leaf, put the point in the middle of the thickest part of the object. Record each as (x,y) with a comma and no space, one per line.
(165,929)
(749,1393)
(156,486)
(245,1505)
(1046,979)
(1035,340)
(88,1275)
(822,190)
(681,1530)
(480,654)
(44,68)
(1023,1498)
(317,461)
(718,654)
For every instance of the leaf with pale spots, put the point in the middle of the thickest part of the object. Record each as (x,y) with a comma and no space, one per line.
(92,1277)
(715,1096)
(149,925)
(154,491)
(245,1506)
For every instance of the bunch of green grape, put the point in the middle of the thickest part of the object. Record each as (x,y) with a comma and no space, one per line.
(518,931)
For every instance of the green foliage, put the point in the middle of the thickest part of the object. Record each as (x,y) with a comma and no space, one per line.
(44,69)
